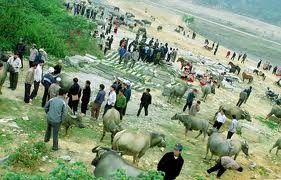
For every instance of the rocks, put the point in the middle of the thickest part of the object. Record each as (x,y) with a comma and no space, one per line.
(65,158)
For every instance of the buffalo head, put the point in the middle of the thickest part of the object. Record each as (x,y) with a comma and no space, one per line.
(245,148)
(246,115)
(175,117)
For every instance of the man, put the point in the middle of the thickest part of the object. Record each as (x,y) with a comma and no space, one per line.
(223,164)
(194,108)
(14,64)
(106,45)
(110,42)
(232,127)
(37,79)
(135,57)
(190,97)
(122,51)
(145,102)
(20,49)
(259,64)
(29,78)
(244,58)
(111,99)
(220,120)
(216,49)
(86,95)
(33,53)
(48,79)
(120,103)
(58,68)
(127,93)
(74,95)
(242,97)
(239,56)
(54,88)
(151,42)
(233,56)
(171,163)
(248,91)
(56,112)
(42,56)
(98,102)
(126,57)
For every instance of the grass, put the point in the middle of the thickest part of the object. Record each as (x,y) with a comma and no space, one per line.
(269,123)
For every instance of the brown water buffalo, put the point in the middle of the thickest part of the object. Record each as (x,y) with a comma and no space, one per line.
(136,143)
(234,110)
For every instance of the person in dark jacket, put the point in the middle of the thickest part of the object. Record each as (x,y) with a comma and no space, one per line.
(248,91)
(190,97)
(56,110)
(20,49)
(171,163)
(98,102)
(58,68)
(259,64)
(127,93)
(74,95)
(145,102)
(86,95)
(48,79)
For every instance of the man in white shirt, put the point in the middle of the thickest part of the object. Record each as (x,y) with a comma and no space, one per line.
(111,99)
(37,79)
(220,119)
(15,64)
(232,127)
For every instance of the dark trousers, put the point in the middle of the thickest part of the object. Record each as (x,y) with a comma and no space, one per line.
(46,96)
(21,59)
(84,106)
(30,63)
(27,88)
(239,103)
(105,50)
(95,110)
(35,90)
(124,110)
(218,167)
(14,80)
(73,105)
(188,104)
(217,125)
(229,135)
(121,111)
(55,127)
(145,106)
(106,107)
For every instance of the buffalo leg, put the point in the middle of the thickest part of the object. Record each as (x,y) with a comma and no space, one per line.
(200,132)
(236,156)
(103,134)
(270,114)
(186,130)
(207,152)
(277,151)
(112,136)
(66,130)
(272,148)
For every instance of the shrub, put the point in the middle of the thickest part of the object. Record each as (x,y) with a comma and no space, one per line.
(21,176)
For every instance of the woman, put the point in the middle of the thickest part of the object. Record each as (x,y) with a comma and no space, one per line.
(74,95)
(220,119)
(111,99)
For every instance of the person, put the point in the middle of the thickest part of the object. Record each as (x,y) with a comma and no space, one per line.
(54,88)
(86,95)
(98,102)
(216,49)
(190,97)
(232,127)
(118,85)
(248,91)
(58,68)
(193,35)
(242,96)
(111,99)
(122,51)
(29,78)
(239,56)
(145,102)
(259,64)
(220,119)
(110,41)
(171,163)
(42,56)
(115,29)
(33,53)
(227,54)
(14,64)
(135,57)
(20,49)
(120,103)
(233,56)
(48,79)
(74,95)
(106,45)
(194,108)
(274,70)
(224,163)
(127,93)
(37,79)
(244,58)
(56,110)
(1,71)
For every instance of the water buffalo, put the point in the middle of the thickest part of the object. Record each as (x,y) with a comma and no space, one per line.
(234,110)
(111,123)
(107,162)
(234,68)
(66,81)
(176,91)
(275,111)
(220,146)
(206,90)
(72,120)
(193,123)
(135,143)
(278,145)
(3,74)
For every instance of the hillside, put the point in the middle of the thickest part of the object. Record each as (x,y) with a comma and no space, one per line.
(267,11)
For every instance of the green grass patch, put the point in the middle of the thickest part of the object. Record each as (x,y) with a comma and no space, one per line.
(269,123)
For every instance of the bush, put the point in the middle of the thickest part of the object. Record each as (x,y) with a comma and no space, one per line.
(21,176)
(47,24)
(28,155)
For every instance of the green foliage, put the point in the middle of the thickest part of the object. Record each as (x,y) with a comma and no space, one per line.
(21,176)
(188,19)
(73,171)
(262,171)
(28,155)
(150,175)
(270,124)
(47,24)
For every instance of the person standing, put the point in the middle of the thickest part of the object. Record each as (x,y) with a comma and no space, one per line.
(120,103)
(20,49)
(111,99)
(145,102)
(122,51)
(56,111)
(274,70)
(232,127)
(248,91)
(242,97)
(127,93)
(110,41)
(259,64)
(135,57)
(33,53)
(126,58)
(29,78)
(74,95)
(195,108)
(239,56)
(190,97)
(58,68)
(233,56)
(86,95)
(37,79)
(216,49)
(14,64)
(48,79)
(220,119)
(223,164)
(98,102)
(171,163)
(227,54)
(244,58)
(54,88)
(106,45)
